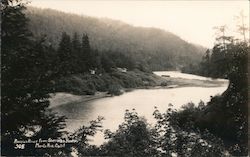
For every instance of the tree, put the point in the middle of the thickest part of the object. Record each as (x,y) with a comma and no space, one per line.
(221,35)
(106,62)
(87,57)
(242,28)
(65,55)
(133,138)
(76,52)
(85,43)
(185,139)
(25,84)
(76,45)
(205,63)
(81,135)
(226,116)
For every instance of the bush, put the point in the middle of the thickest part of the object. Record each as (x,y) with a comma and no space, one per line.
(114,89)
(112,82)
(164,83)
(135,137)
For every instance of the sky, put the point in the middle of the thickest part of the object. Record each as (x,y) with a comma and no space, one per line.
(193,21)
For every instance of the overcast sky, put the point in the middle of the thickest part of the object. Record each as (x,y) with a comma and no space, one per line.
(193,21)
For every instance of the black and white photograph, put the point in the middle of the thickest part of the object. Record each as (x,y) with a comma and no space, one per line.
(124,78)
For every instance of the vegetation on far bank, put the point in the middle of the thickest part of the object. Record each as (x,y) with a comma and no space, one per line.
(117,82)
(113,82)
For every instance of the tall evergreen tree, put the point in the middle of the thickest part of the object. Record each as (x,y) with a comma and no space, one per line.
(25,85)
(204,65)
(76,52)
(87,57)
(76,42)
(65,55)
(106,62)
(85,43)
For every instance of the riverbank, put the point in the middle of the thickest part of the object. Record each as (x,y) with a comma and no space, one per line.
(62,98)
(172,82)
(89,84)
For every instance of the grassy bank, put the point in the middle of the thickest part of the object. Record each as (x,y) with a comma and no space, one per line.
(114,82)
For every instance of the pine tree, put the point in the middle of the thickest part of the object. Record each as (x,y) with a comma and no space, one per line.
(242,26)
(85,43)
(25,85)
(86,53)
(205,64)
(76,52)
(65,55)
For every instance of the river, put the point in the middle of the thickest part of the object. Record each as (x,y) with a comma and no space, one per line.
(142,100)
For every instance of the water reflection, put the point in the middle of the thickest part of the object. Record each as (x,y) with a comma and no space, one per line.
(143,100)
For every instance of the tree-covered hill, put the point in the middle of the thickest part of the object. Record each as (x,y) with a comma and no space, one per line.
(158,49)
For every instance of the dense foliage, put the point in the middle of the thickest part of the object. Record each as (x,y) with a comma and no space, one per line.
(155,48)
(79,69)
(135,137)
(75,56)
(226,115)
(112,82)
(25,84)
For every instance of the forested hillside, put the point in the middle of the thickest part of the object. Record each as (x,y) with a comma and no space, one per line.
(158,49)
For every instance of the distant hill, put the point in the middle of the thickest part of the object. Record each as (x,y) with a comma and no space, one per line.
(156,48)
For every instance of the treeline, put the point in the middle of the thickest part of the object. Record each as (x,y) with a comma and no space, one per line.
(158,49)
(75,56)
(218,62)
(79,69)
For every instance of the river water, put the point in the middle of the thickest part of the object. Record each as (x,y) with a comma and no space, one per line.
(142,100)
